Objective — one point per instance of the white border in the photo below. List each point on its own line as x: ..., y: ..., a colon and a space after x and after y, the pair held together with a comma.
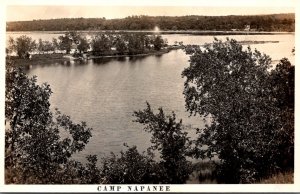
x: 174, y: 188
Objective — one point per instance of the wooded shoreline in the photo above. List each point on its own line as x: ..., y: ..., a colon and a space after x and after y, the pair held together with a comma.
x: 270, y: 22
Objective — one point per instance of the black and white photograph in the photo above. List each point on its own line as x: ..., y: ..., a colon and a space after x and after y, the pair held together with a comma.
x: 141, y: 96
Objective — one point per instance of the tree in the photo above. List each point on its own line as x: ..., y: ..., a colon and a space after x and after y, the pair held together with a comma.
x: 55, y: 44
x: 34, y: 150
x: 120, y: 44
x: 23, y: 45
x: 40, y: 46
x: 101, y: 44
x: 90, y: 173
x: 83, y: 45
x: 65, y: 43
x: 148, y: 40
x: 74, y: 36
x: 48, y: 46
x: 158, y: 42
x: 282, y: 80
x: 232, y: 88
x: 170, y: 141
x: 11, y: 45
x: 45, y: 46
x: 135, y: 43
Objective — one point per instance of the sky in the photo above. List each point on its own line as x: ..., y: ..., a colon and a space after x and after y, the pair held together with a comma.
x: 20, y: 11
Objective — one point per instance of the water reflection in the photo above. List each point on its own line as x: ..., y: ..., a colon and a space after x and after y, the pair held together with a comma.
x: 121, y: 59
x: 65, y: 63
x: 80, y: 62
x: 102, y: 60
x: 137, y: 58
x: 105, y: 60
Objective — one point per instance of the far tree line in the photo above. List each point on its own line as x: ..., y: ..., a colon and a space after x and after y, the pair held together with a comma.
x: 274, y: 22
x: 100, y: 44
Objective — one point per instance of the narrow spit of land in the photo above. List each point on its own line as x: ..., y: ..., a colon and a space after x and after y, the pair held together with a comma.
x: 61, y: 57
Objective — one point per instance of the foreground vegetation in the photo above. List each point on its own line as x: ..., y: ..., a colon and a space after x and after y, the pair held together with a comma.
x: 280, y: 178
x: 250, y: 130
x: 274, y: 22
x: 250, y: 108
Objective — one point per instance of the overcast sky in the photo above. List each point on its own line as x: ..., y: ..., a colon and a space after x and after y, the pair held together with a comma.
x: 16, y: 13
x: 108, y: 10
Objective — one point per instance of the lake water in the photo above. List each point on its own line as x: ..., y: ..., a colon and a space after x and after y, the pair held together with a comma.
x: 104, y: 93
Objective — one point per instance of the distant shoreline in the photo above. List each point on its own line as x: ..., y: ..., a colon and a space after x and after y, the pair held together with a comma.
x: 191, y: 24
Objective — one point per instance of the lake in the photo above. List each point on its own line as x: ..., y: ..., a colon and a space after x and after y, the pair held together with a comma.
x: 105, y: 92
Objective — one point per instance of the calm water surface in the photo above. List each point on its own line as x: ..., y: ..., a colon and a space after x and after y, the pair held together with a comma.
x: 104, y: 93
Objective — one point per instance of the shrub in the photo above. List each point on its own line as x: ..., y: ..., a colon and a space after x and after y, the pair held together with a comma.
x: 131, y: 167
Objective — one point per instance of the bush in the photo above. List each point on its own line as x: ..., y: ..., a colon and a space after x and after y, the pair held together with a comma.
x: 130, y: 168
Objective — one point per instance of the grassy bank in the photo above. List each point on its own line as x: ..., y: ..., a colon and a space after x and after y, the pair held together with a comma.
x: 280, y: 178
x: 204, y: 172
x: 38, y: 59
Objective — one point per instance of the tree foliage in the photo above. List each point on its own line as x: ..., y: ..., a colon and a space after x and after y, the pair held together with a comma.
x: 126, y: 43
x: 135, y: 43
x: 101, y: 43
x: 45, y: 46
x: 232, y: 87
x: 55, y: 44
x: 35, y: 151
x: 11, y: 44
x: 67, y: 40
x: 65, y: 43
x: 23, y: 45
x: 130, y: 168
x: 283, y: 91
x: 158, y: 43
x: 170, y: 141
x: 120, y: 44
x: 83, y: 44
x: 273, y: 22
